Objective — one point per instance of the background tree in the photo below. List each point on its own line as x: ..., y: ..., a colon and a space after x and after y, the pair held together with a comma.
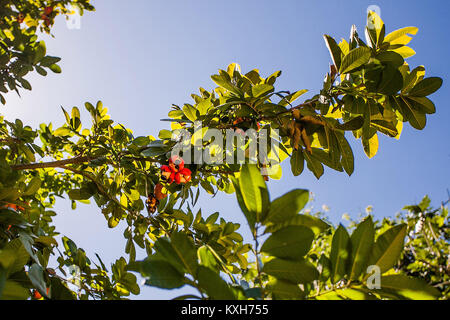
x: 370, y: 89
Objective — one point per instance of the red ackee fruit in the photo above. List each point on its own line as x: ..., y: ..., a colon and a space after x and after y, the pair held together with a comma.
x: 183, y: 176
x: 176, y: 163
x: 167, y: 174
x: 37, y: 295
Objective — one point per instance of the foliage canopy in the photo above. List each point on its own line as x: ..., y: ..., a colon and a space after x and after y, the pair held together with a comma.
x: 369, y: 90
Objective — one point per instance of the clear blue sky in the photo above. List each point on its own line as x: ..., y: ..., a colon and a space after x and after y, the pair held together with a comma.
x: 141, y: 56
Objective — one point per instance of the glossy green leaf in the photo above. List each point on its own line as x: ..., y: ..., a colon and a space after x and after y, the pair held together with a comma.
x: 426, y: 87
x: 292, y: 271
x: 355, y: 59
x: 286, y: 206
x: 255, y: 194
x: 215, y: 287
x: 347, y: 159
x: 161, y: 274
x: 315, y: 224
x: 361, y: 240
x: 408, y: 288
x: 340, y: 253
x: 297, y: 162
x: 386, y: 250
x: 291, y: 242
x: 335, y: 51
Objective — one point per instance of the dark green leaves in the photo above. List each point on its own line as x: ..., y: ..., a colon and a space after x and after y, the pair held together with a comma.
x: 426, y: 87
x: 179, y: 251
x: 297, y: 162
x: 213, y: 284
x: 353, y: 124
x: 339, y: 253
x: 287, y: 206
x: 408, y: 288
x: 162, y: 274
x: 388, y: 247
x: 334, y: 49
x: 289, y: 243
x: 292, y: 271
x: 361, y: 242
x: 355, y: 59
x: 347, y: 158
x: 253, y: 196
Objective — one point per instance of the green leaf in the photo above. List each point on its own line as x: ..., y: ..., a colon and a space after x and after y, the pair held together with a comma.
x: 340, y: 253
x: 370, y: 145
x: 255, y: 195
x: 55, y: 68
x: 314, y: 165
x: 354, y: 59
x: 391, y: 81
x: 292, y: 242
x: 405, y: 52
x: 416, y: 119
x: 361, y: 240
x: 225, y: 83
x: 387, y: 248
x: 334, y: 49
x: 284, y: 290
x: 206, y: 258
x: 391, y: 58
x: 315, y: 224
x: 347, y: 159
x: 326, y: 158
x: 190, y: 112
x: 291, y: 97
x: 409, y: 288
x: 297, y: 162
x: 36, y: 275
x: 14, y: 291
x: 324, y: 266
x: 287, y: 206
x: 61, y: 132
x: 398, y: 36
x: 40, y: 51
x: 161, y: 274
x: 421, y: 104
x: 385, y: 127
x: 179, y: 251
x: 32, y: 187
x: 79, y: 194
x: 292, y: 271
x: 426, y: 87
x: 251, y: 218
x: 261, y: 90
x: 215, y: 287
x: 353, y: 124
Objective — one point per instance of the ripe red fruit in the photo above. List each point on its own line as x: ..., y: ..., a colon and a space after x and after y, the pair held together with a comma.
x: 167, y: 174
x: 36, y: 295
x: 183, y: 176
x: 176, y: 163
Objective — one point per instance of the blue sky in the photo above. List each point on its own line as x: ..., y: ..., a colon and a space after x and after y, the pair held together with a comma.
x: 141, y: 56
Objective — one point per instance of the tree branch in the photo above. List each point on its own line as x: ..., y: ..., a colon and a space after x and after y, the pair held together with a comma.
x: 53, y: 164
